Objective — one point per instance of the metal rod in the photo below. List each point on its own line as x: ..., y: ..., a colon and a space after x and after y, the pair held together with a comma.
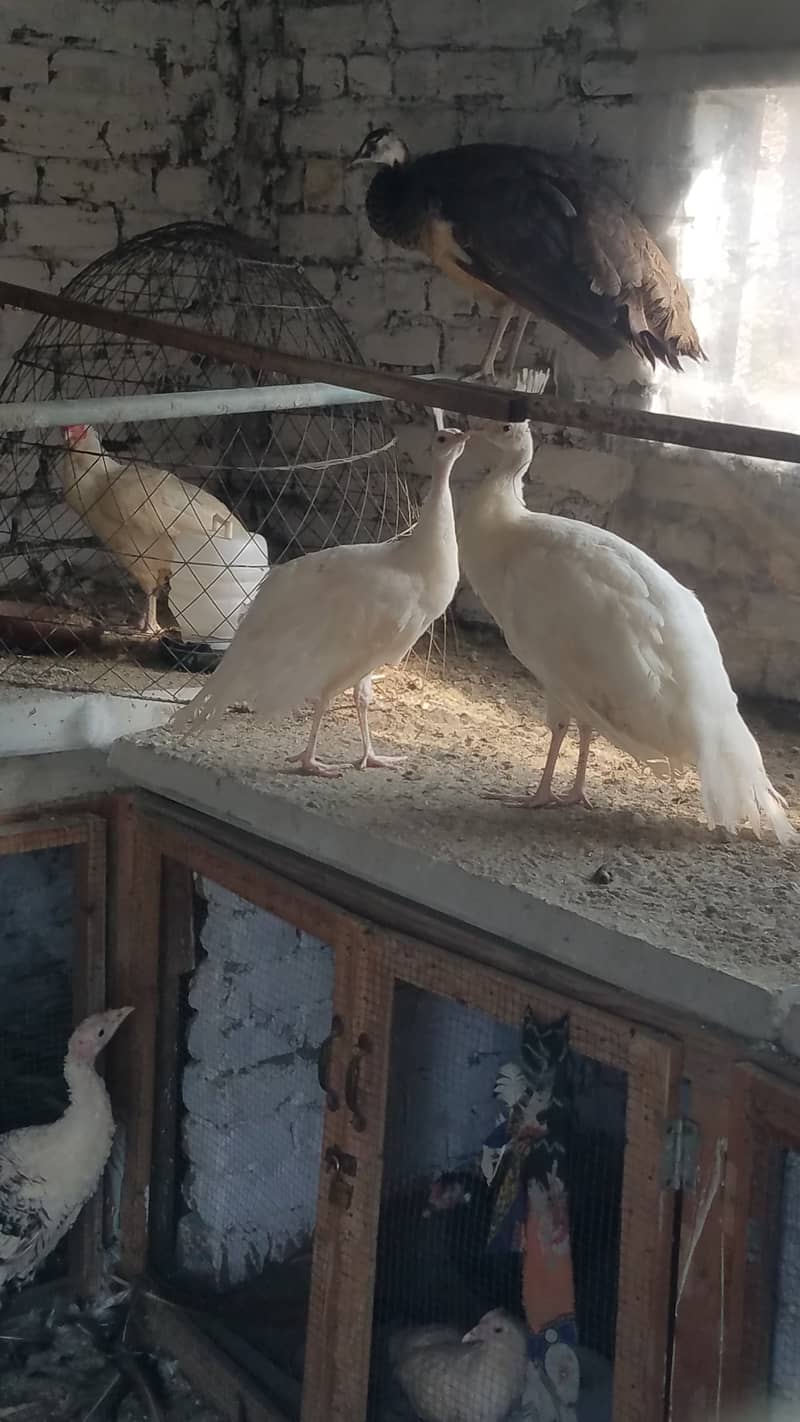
x: 112, y: 410
x: 480, y: 401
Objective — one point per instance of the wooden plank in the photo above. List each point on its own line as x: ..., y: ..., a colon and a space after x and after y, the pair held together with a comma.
x: 177, y: 958
x: 460, y: 940
x: 133, y: 979
x: 703, y: 1335
x: 214, y: 1374
x: 89, y: 995
x: 480, y: 401
x: 339, y: 1339
x: 43, y: 832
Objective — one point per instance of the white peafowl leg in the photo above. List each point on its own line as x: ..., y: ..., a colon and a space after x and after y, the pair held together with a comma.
x: 486, y: 371
x: 362, y: 695
x: 150, y: 622
x: 543, y: 795
x: 575, y: 796
x: 306, y: 762
x: 523, y: 317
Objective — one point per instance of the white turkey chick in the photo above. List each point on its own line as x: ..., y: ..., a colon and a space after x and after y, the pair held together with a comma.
x: 477, y: 1378
x: 137, y: 510
x: 47, y: 1173
x: 327, y: 621
x: 617, y: 644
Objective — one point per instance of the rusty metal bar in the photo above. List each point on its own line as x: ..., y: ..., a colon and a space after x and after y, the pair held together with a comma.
x: 480, y: 401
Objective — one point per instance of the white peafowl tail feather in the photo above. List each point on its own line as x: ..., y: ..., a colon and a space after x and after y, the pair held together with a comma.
x: 734, y: 786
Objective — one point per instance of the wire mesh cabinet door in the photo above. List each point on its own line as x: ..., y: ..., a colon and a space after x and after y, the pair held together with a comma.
x: 508, y: 1240
x: 253, y: 1010
x: 762, y: 1353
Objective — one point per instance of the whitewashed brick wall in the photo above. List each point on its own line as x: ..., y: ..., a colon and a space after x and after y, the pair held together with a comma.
x: 115, y: 116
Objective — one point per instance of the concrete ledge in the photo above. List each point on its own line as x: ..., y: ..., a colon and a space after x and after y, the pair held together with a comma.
x: 715, y: 996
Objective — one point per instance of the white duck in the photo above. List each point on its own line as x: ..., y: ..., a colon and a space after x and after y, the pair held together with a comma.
x: 327, y: 621
x: 47, y: 1173
x: 618, y: 645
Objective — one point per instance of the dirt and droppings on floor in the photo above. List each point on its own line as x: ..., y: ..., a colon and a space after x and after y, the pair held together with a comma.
x: 478, y: 723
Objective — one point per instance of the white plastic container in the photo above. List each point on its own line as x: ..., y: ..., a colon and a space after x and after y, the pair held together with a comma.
x: 212, y: 583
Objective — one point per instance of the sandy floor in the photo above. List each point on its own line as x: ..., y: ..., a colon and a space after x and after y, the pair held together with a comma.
x: 733, y: 902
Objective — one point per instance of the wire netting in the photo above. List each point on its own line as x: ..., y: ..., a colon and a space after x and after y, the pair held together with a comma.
x: 95, y: 537
x: 37, y: 943
x: 258, y: 1010
x: 499, y: 1235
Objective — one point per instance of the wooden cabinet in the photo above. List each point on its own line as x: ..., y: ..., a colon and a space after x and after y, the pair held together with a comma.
x: 404, y: 1069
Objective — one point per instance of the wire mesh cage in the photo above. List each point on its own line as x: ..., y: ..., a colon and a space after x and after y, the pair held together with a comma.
x: 256, y: 1013
x: 499, y: 1235
x: 128, y: 554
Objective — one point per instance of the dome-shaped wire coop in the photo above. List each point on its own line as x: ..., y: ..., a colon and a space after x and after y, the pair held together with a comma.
x: 99, y: 528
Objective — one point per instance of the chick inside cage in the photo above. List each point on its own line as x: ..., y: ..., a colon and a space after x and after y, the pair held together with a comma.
x: 129, y: 552
x: 499, y: 1236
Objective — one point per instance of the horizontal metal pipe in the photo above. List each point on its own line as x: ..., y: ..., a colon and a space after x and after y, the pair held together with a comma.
x: 193, y: 404
x: 480, y: 401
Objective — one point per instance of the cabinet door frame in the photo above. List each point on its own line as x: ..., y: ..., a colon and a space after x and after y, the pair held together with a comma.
x: 766, y: 1121
x: 652, y: 1063
x: 156, y: 861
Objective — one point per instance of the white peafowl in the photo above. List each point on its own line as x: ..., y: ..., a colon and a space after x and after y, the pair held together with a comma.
x: 47, y: 1173
x: 617, y: 644
x: 477, y: 1378
x: 327, y: 621
x: 137, y: 510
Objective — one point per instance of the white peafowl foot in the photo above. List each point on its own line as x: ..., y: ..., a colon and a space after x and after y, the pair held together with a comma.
x: 532, y: 799
x: 575, y: 797
x: 305, y: 764
x: 371, y: 761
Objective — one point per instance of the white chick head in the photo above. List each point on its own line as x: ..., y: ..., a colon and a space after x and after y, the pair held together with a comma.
x: 383, y: 147
x: 448, y: 446
x: 95, y: 1032
x: 493, y: 1326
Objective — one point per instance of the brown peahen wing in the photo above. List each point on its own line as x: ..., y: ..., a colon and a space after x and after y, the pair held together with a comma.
x: 559, y: 244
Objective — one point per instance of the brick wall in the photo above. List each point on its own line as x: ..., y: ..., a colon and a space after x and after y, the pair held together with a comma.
x: 115, y: 116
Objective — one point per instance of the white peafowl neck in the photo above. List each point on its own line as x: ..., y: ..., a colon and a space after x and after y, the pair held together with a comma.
x: 436, y: 525
x: 498, y: 496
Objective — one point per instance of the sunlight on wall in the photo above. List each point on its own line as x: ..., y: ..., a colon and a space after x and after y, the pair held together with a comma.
x: 738, y: 249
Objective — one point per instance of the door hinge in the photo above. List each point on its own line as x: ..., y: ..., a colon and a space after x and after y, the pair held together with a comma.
x: 681, y: 1138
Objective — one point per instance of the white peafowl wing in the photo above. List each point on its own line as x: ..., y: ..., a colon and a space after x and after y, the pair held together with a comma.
x: 589, y: 620
x: 317, y: 626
